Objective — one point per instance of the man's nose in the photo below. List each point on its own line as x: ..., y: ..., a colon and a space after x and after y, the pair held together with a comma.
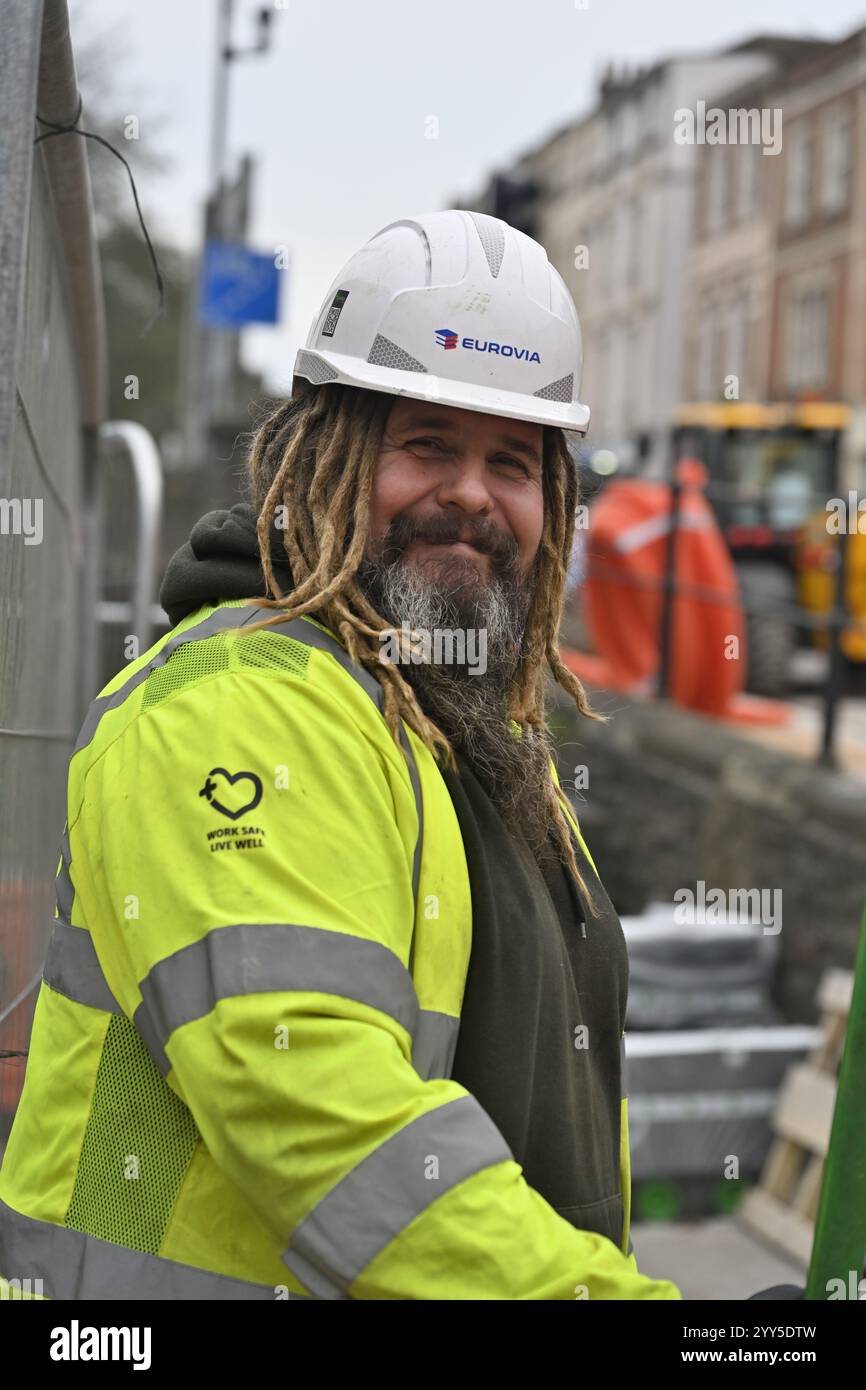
x: 465, y: 486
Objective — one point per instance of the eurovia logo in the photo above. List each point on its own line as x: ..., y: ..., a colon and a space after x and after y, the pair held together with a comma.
x: 447, y: 338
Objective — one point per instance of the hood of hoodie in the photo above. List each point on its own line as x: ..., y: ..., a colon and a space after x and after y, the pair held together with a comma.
x: 221, y: 561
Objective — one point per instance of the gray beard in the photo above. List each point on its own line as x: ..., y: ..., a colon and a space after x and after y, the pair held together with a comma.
x: 470, y: 709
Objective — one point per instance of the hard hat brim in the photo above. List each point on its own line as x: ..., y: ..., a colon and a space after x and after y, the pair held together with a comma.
x: 425, y: 386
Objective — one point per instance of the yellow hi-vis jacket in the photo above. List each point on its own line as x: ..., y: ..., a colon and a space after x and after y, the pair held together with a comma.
x: 238, y: 1080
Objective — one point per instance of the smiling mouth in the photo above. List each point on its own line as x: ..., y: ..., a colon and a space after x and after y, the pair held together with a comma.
x: 463, y: 546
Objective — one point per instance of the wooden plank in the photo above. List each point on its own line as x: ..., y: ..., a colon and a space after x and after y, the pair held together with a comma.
x: 782, y: 1168
x: 835, y: 990
x: 783, y: 1208
x: 805, y: 1109
x: 828, y: 1053
x: 809, y: 1189
x: 777, y: 1224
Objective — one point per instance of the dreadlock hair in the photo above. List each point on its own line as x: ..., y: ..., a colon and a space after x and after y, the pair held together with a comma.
x: 314, y: 457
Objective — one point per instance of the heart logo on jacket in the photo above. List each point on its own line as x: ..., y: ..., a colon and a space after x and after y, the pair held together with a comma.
x: 207, y: 791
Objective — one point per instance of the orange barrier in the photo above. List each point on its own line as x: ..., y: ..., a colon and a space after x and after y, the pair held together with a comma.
x: 622, y: 594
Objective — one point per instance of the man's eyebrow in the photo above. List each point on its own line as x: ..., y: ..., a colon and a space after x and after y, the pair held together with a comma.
x: 442, y: 422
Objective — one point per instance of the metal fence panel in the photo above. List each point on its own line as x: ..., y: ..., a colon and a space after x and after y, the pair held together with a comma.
x: 42, y: 554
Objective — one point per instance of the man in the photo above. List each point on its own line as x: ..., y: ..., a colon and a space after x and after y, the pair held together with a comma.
x: 456, y: 523
x: 334, y: 1001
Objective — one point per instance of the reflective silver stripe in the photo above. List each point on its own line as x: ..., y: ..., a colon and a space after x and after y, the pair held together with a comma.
x: 312, y: 636
x: 298, y: 629
x: 219, y: 621
x: 74, y: 1265
x: 72, y: 968
x: 387, y: 1190
x: 254, y: 958
x: 419, y: 807
x: 434, y: 1044
x: 301, y: 631
x: 63, y: 883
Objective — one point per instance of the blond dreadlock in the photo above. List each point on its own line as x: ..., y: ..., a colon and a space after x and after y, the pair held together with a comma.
x: 315, y: 457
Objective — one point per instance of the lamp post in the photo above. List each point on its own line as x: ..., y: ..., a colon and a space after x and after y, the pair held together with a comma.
x: 199, y: 367
x: 225, y: 55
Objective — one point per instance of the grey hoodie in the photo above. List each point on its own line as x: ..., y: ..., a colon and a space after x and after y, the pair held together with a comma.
x: 220, y: 559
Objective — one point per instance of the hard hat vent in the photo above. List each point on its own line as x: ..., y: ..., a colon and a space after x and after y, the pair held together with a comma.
x: 492, y: 239
x: 561, y: 390
x: 384, y: 353
x: 313, y: 369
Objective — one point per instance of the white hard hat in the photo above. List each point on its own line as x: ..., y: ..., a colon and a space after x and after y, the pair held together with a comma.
x: 455, y: 307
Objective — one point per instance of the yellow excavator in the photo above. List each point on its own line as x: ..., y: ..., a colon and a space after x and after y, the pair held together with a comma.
x: 780, y: 478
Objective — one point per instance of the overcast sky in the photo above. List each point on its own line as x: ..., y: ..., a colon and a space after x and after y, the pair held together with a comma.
x: 335, y: 113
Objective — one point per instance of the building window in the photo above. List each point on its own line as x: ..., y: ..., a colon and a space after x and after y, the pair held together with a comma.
x: 747, y: 175
x: 718, y: 355
x: 591, y: 274
x: 618, y: 249
x: 798, y: 176
x: 593, y: 270
x: 836, y: 161
x: 630, y: 128
x: 715, y: 189
x: 808, y: 340
x: 738, y: 341
x: 649, y: 115
x: 615, y: 381
x: 605, y: 252
x: 706, y: 347
x: 636, y: 373
x: 614, y: 137
x: 599, y: 381
x: 632, y: 273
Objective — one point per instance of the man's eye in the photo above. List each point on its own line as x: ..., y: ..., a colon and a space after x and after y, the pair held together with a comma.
x: 428, y: 441
x: 424, y: 440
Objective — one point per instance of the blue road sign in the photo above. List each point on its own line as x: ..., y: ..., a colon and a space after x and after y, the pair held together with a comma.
x: 238, y: 286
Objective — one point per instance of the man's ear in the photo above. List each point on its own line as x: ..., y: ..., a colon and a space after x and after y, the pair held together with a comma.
x: 300, y: 387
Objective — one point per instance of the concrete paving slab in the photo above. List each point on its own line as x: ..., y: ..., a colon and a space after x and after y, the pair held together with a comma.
x: 712, y: 1259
